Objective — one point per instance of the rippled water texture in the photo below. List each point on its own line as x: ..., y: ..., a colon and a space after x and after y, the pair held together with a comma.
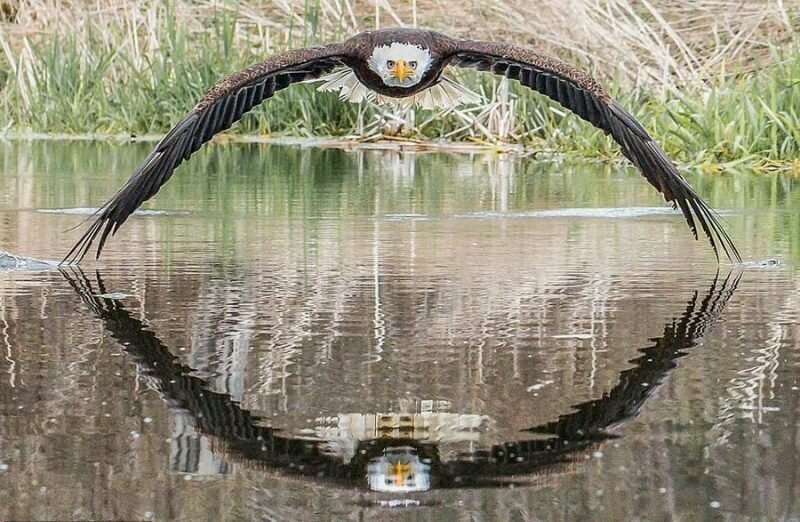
x: 292, y: 333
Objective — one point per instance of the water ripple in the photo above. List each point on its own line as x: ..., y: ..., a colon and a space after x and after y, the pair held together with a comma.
x: 90, y: 211
x: 613, y: 213
x: 10, y: 262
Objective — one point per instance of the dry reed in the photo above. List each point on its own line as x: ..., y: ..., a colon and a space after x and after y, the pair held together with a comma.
x: 85, y: 50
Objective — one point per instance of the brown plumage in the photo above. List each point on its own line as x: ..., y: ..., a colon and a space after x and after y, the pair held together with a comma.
x: 233, y: 96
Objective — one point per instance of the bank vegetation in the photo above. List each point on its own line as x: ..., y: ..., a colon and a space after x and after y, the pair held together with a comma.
x: 716, y: 82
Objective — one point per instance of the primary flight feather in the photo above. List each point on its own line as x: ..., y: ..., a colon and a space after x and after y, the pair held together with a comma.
x: 405, y: 66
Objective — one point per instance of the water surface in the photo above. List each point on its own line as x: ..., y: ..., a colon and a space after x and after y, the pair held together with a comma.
x: 289, y: 333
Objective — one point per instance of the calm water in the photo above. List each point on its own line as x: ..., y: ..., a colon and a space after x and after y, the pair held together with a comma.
x: 294, y: 333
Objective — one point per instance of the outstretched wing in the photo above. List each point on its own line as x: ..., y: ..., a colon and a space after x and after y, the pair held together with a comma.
x: 581, y: 94
x: 222, y: 106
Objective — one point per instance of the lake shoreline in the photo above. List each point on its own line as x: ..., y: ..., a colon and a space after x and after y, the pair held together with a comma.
x: 415, y: 145
x: 337, y: 142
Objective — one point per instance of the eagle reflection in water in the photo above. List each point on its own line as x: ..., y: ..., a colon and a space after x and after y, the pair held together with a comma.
x: 397, y: 452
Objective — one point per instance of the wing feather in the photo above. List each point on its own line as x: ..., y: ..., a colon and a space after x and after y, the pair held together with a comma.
x: 581, y: 94
x: 222, y: 106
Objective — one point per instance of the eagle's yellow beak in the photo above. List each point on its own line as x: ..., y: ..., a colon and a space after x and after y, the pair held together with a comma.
x: 400, y: 471
x: 401, y: 71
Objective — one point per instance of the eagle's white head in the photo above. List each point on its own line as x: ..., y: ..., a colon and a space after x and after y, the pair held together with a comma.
x: 404, y: 66
x: 400, y: 64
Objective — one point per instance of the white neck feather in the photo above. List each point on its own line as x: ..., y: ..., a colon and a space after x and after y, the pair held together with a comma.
x: 444, y: 95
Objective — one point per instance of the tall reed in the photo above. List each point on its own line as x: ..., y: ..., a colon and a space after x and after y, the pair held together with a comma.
x: 709, y: 79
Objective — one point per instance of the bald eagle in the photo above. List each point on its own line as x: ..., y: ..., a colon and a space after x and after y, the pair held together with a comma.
x: 404, y: 65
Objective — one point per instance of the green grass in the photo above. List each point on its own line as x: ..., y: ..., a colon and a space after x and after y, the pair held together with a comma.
x: 93, y: 85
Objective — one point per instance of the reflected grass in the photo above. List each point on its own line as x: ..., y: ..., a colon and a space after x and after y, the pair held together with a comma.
x: 237, y: 183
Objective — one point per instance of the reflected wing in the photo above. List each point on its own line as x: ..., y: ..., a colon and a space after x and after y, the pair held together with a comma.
x: 223, y: 105
x: 234, y: 432
x: 590, y: 419
x: 589, y: 422
x: 581, y: 94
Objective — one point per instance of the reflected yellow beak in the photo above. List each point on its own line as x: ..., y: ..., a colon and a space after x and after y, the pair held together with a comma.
x: 400, y: 471
x: 401, y: 71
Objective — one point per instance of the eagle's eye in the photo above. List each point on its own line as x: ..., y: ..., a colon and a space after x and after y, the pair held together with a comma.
x: 413, y: 64
x: 389, y: 63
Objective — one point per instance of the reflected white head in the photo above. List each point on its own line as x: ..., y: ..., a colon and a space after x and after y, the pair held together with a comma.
x: 400, y: 64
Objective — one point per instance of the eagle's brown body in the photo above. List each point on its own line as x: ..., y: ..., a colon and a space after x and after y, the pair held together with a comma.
x: 228, y: 100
